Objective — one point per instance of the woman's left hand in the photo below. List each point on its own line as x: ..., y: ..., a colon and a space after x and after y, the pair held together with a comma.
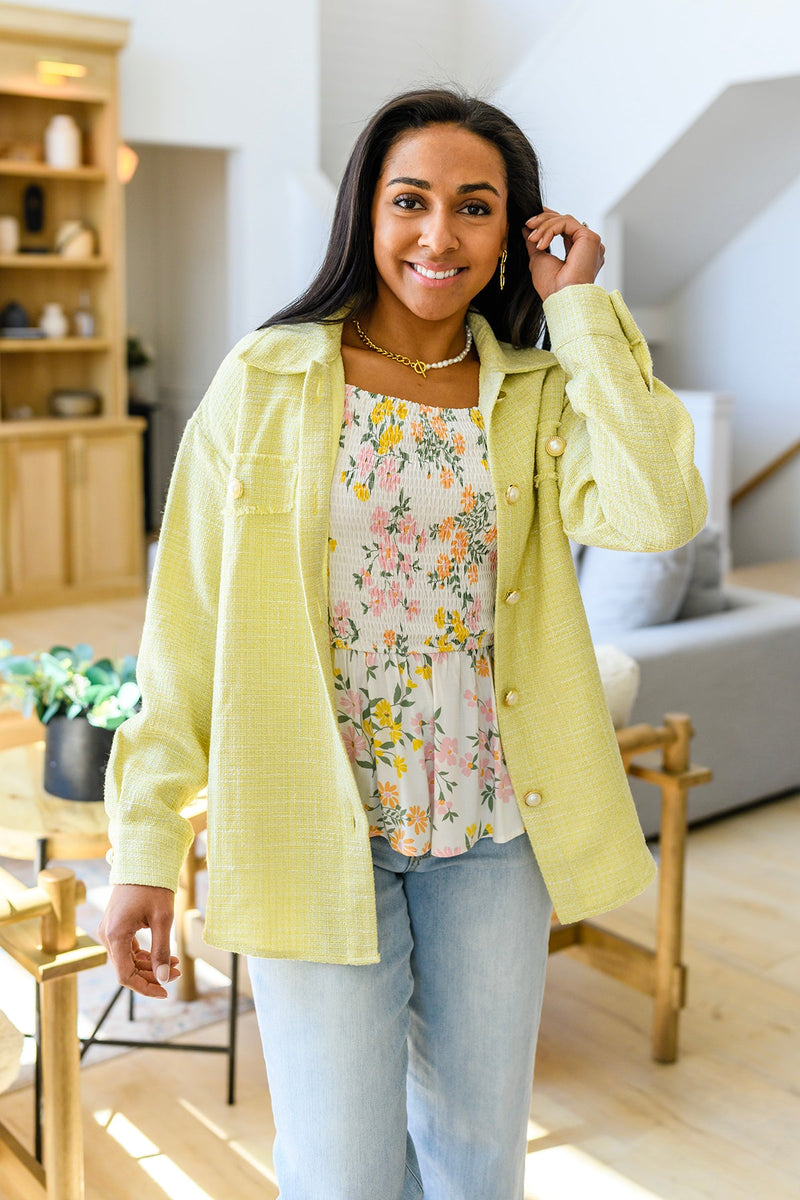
x: 585, y: 252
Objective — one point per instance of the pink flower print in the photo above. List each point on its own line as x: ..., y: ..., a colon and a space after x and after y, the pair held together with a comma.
x: 341, y: 614
x: 377, y: 601
x: 366, y: 577
x: 466, y: 764
x: 350, y: 702
x: 348, y: 409
x: 379, y: 520
x: 486, y: 708
x: 388, y: 555
x: 448, y: 851
x: 482, y: 739
x: 493, y: 558
x: 422, y: 540
x: 505, y: 790
x: 417, y: 724
x: 406, y: 530
x: 443, y: 805
x: 395, y: 594
x: 447, y: 752
x: 413, y: 608
x: 474, y: 615
x: 388, y: 477
x: 471, y: 697
x: 365, y: 460
x: 355, y: 743
x: 371, y: 658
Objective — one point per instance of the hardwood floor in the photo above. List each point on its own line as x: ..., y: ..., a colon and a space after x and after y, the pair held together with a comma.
x: 606, y: 1122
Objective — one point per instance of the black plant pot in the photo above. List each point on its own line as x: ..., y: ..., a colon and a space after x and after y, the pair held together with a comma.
x: 76, y: 755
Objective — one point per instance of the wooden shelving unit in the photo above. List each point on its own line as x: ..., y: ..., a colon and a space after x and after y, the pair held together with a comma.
x: 70, y: 490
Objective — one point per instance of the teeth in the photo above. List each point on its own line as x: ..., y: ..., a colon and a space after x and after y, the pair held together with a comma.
x: 435, y: 274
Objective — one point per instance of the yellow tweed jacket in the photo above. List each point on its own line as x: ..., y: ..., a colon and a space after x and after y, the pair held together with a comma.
x: 235, y: 665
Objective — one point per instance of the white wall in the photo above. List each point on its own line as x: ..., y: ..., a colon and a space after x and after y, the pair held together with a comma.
x: 176, y: 250
x: 372, y: 49
x: 243, y: 77
x: 734, y: 328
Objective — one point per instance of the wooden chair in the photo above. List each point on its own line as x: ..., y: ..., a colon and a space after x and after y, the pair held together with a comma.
x: 659, y: 973
x: 37, y: 927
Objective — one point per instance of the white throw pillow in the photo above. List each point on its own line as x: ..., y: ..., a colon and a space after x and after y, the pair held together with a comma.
x: 620, y: 675
x: 625, y: 590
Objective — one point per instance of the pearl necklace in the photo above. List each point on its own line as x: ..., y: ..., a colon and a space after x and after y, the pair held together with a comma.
x: 416, y: 364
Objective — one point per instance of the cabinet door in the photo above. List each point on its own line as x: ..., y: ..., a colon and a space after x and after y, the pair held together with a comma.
x: 37, y: 504
x: 107, y: 525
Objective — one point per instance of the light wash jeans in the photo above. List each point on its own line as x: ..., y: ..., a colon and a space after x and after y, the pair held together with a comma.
x: 413, y: 1076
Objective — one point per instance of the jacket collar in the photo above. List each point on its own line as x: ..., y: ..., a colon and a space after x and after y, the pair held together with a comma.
x: 291, y: 349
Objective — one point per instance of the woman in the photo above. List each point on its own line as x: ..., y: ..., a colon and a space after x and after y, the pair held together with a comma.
x: 364, y: 632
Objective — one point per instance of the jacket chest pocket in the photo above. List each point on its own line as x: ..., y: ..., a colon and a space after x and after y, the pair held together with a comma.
x: 261, y: 485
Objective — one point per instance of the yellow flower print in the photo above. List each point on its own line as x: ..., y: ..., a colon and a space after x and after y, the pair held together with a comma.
x: 383, y: 711
x: 417, y: 743
x: 400, y: 766
x: 401, y: 410
x: 460, y: 631
x: 396, y: 732
x: 390, y: 437
x: 439, y: 618
x: 331, y: 544
x: 380, y: 411
x: 343, y: 476
x: 489, y: 830
x: 443, y: 644
x: 477, y: 417
x: 369, y: 732
x: 361, y: 490
x: 470, y: 831
x: 425, y: 671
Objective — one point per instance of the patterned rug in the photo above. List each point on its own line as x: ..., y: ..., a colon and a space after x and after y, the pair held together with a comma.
x: 154, y: 1020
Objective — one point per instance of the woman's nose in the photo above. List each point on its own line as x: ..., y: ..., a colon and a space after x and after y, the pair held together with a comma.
x: 438, y: 233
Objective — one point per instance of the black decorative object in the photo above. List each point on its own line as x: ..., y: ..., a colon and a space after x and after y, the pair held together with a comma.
x: 13, y: 316
x: 34, y: 208
x: 76, y: 755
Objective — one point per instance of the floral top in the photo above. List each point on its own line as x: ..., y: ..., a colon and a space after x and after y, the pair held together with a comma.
x: 413, y: 556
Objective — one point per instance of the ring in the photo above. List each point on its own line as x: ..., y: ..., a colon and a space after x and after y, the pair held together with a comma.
x: 585, y: 226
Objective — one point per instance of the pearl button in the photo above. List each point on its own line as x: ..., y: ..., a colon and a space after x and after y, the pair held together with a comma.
x: 511, y: 697
x: 555, y: 446
x: 236, y: 488
x: 532, y: 799
x: 513, y: 596
x: 110, y: 856
x: 512, y: 494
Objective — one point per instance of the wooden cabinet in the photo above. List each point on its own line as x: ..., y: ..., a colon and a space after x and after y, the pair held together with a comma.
x: 73, y: 519
x: 71, y: 524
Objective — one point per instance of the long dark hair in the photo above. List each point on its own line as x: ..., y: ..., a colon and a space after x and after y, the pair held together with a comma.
x: 347, y: 278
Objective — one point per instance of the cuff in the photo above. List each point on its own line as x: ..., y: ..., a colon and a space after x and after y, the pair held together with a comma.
x: 584, y: 310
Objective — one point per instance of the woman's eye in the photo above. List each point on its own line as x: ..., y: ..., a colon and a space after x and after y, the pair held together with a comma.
x: 476, y: 208
x: 406, y: 202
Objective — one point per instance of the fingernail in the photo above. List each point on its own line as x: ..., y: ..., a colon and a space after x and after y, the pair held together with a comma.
x: 162, y: 973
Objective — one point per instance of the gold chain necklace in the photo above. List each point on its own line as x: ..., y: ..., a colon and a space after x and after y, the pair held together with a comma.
x: 416, y: 364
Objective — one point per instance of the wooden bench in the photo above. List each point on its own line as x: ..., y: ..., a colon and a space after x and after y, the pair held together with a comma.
x: 37, y: 927
x: 658, y: 972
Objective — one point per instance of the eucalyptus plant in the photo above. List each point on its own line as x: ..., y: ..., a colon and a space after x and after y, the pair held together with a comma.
x: 65, y: 682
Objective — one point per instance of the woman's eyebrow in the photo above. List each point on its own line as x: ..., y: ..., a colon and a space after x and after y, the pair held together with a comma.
x: 462, y: 189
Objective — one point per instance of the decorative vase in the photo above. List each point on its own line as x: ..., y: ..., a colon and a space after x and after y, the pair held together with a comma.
x: 76, y: 756
x: 62, y: 142
x: 54, y: 320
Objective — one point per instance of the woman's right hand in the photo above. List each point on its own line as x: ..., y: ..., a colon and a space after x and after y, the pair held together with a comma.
x: 133, y: 907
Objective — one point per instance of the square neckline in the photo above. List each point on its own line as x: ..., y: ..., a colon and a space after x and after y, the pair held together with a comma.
x: 413, y: 403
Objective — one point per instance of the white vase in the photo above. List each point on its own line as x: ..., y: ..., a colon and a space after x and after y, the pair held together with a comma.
x: 62, y: 142
x: 54, y: 320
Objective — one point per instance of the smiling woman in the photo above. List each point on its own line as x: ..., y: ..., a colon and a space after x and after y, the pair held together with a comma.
x: 365, y: 635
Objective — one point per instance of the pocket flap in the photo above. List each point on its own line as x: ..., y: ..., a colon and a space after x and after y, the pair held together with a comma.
x: 262, y: 483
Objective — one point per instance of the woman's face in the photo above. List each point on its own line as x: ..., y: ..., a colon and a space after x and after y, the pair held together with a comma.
x: 439, y: 220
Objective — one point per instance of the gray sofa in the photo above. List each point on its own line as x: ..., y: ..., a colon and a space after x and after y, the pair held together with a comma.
x: 736, y: 672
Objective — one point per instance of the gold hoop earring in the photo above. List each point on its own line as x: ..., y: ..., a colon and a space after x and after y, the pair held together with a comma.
x: 503, y: 258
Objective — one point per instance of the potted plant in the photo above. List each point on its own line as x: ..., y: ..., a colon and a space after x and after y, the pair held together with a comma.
x: 79, y: 702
